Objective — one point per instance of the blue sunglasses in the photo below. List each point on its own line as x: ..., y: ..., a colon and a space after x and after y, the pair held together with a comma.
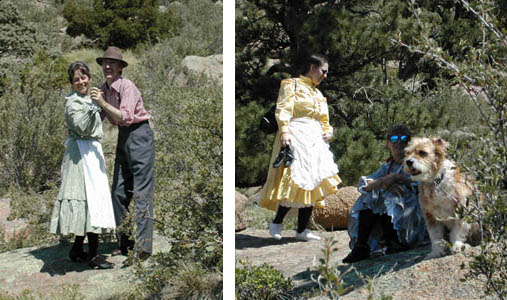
x: 395, y: 138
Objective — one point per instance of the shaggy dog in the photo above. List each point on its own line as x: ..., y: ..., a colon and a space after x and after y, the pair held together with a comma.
x: 442, y: 189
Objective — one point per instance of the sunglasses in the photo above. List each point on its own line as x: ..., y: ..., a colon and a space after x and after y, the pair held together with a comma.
x: 396, y: 138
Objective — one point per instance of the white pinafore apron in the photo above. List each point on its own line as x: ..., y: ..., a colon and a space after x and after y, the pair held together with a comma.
x: 98, y: 195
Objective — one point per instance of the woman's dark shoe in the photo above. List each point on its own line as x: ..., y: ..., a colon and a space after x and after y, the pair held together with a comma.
x: 358, y: 253
x: 289, y: 158
x: 99, y: 262
x: 279, y: 159
x: 78, y: 256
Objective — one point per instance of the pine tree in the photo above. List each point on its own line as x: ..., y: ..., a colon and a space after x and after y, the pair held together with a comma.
x: 371, y: 85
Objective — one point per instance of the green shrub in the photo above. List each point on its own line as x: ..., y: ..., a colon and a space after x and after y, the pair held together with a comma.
x: 481, y: 74
x: 65, y: 291
x: 200, y: 29
x: 188, y: 196
x: 31, y: 118
x: 184, y: 280
x: 488, y: 164
x: 188, y: 199
x: 262, y: 282
x: 121, y: 23
x: 17, y: 38
x: 188, y: 142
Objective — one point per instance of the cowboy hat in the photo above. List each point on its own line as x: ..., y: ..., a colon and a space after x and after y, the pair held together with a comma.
x: 112, y: 53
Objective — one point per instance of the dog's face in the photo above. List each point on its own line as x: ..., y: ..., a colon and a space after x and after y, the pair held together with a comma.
x: 424, y: 158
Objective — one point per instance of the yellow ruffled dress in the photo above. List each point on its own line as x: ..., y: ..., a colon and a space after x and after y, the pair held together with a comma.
x: 298, y: 97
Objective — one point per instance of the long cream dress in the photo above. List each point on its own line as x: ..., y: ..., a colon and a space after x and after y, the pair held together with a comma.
x: 298, y: 98
x: 72, y: 212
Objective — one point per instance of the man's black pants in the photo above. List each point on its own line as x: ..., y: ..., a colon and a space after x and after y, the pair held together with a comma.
x: 134, y: 177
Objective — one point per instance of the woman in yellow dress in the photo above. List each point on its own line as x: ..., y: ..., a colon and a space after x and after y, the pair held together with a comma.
x: 309, y: 173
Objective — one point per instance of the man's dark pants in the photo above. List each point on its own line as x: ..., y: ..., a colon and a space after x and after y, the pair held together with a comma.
x: 134, y: 177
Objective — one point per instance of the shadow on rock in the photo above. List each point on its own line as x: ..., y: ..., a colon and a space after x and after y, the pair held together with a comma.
x: 379, y: 266
x: 244, y: 241
x: 57, y: 262
x: 356, y: 274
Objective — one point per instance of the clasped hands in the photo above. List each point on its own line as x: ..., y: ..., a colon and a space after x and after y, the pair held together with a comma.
x: 394, y: 183
x: 97, y: 96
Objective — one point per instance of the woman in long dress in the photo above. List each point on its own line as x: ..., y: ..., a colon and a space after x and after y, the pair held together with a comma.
x: 387, y: 217
x: 83, y: 206
x: 309, y: 172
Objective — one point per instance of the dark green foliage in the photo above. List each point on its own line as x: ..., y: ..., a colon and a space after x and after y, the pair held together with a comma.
x: 121, y: 23
x: 371, y: 85
x: 262, y: 282
x: 254, y: 152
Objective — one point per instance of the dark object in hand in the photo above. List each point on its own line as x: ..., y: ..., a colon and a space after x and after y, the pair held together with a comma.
x: 286, y: 155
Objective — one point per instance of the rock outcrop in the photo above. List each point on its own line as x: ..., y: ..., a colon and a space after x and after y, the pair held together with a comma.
x: 335, y: 214
x: 404, y: 275
x: 48, y: 273
x: 240, y: 220
x: 210, y: 66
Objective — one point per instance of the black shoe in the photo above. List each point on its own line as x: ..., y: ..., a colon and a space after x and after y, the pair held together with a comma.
x: 137, y: 257
x: 78, y: 256
x: 289, y: 158
x: 358, y: 253
x: 279, y: 159
x: 99, y: 262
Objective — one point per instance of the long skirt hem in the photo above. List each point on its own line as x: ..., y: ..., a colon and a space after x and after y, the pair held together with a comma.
x: 72, y: 216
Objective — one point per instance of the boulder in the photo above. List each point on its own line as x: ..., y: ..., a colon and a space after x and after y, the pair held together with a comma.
x: 253, y: 192
x: 211, y: 66
x: 240, y: 219
x: 335, y: 214
x: 11, y: 228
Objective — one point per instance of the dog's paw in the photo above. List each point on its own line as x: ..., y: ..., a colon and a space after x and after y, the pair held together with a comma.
x: 459, y: 247
x: 433, y: 254
x: 438, y: 250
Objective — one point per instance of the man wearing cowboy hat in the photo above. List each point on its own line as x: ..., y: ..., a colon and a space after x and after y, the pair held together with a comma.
x: 123, y: 105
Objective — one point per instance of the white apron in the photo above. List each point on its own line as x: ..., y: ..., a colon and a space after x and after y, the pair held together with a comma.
x: 98, y: 195
x: 313, y: 161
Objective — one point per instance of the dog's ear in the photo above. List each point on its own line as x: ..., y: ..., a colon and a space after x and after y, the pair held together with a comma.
x: 440, y: 145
